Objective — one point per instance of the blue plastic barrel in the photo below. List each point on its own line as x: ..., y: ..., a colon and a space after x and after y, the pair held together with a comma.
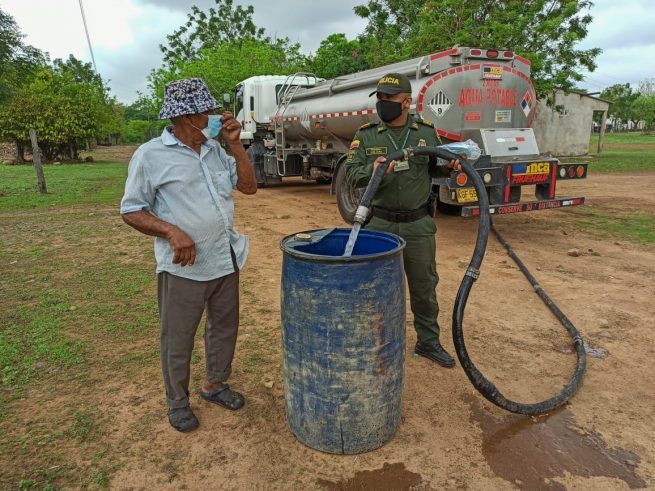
x: 343, y: 337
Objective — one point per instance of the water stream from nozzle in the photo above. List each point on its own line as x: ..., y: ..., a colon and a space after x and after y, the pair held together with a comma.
x: 361, y: 214
x: 352, y: 238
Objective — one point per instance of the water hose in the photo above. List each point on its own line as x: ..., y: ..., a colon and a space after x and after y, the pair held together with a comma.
x: 477, y: 378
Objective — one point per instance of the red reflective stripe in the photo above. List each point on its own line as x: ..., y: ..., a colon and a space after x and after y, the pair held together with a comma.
x: 553, y: 178
x: 507, y: 186
x: 451, y: 136
x: 523, y: 60
x: 441, y: 54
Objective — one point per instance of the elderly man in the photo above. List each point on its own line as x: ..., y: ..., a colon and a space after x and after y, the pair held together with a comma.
x: 179, y: 190
x: 402, y: 203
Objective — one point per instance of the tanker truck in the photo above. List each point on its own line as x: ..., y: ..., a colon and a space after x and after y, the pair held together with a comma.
x: 301, y: 125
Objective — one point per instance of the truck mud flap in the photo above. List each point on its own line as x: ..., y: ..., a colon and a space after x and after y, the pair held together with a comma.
x: 468, y: 211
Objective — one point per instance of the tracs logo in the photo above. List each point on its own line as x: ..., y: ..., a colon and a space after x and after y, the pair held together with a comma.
x: 533, y: 173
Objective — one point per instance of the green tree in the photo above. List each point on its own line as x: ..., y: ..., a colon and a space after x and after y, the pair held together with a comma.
x: 622, y: 98
x: 644, y: 107
x: 222, y: 46
x: 338, y: 56
x: 17, y: 60
x: 544, y: 31
x: 225, y: 23
x: 226, y: 63
x: 647, y: 87
x: 140, y: 120
x: 65, y: 110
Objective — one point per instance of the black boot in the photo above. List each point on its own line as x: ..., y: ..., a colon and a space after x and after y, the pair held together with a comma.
x: 436, y: 353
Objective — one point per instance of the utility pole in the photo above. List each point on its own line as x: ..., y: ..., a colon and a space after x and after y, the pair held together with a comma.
x: 88, y: 38
x: 36, y: 157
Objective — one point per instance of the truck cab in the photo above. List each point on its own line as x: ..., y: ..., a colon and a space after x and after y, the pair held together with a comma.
x: 256, y: 101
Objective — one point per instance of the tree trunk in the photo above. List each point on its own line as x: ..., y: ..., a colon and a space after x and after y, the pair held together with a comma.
x: 36, y: 157
x: 20, y: 152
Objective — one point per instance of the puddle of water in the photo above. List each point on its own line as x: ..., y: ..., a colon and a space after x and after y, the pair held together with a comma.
x: 391, y: 477
x: 530, y: 452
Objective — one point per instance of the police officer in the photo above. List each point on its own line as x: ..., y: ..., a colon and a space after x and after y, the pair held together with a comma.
x: 401, y: 204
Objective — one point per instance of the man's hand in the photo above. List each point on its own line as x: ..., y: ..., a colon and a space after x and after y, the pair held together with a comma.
x: 184, y: 249
x: 381, y: 160
x: 231, y: 128
x: 454, y: 165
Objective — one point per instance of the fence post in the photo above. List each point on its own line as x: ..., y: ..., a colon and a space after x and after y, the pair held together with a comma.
x: 601, y: 134
x: 36, y: 157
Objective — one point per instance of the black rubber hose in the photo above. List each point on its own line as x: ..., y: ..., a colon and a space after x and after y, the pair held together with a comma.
x: 376, y: 178
x: 479, y: 381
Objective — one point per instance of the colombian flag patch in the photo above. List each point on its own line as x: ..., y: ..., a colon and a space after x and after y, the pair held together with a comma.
x: 354, y: 144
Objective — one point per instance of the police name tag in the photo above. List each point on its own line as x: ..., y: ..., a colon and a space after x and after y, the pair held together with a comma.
x: 401, y: 165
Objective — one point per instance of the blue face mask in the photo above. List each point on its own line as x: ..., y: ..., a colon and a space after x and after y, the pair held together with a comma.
x: 214, y: 125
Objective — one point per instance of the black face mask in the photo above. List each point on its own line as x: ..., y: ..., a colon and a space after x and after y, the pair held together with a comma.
x: 388, y: 110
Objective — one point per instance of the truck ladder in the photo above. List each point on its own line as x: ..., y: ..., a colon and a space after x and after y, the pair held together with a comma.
x: 284, y: 97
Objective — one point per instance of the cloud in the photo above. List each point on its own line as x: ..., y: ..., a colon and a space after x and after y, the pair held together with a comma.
x: 620, y: 24
x: 126, y: 33
x: 302, y: 21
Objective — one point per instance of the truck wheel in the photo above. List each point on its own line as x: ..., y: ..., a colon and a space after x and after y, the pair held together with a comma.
x: 347, y: 196
x: 515, y: 194
x: 448, y: 209
x: 444, y: 207
x: 255, y: 153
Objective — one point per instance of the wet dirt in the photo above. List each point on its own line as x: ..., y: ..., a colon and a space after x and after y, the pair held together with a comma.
x: 532, y: 452
x: 392, y: 477
x: 592, y: 351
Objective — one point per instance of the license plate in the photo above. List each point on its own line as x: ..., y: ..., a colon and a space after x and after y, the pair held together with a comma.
x: 466, y: 195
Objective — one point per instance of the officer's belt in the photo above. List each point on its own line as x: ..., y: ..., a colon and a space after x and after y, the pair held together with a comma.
x: 400, y: 216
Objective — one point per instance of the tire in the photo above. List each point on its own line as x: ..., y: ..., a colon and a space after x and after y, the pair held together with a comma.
x: 255, y: 153
x: 448, y: 209
x: 443, y: 207
x: 515, y: 194
x: 347, y: 197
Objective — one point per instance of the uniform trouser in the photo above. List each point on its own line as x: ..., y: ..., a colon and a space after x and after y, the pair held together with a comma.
x: 181, y: 304
x: 419, y: 260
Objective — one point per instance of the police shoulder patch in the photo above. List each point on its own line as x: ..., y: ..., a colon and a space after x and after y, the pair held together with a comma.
x: 426, y: 122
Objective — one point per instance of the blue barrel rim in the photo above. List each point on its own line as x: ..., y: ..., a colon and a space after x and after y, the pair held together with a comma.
x: 341, y: 259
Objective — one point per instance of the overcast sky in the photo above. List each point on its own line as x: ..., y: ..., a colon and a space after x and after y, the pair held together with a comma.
x: 125, y: 34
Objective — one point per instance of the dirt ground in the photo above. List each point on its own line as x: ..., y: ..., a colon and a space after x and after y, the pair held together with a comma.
x: 450, y: 437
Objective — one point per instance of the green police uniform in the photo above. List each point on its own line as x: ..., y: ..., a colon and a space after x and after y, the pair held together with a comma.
x: 407, y: 188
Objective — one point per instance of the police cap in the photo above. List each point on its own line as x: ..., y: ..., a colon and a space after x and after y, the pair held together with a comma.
x: 393, y: 83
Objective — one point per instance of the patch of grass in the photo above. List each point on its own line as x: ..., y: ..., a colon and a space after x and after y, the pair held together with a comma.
x: 32, y: 343
x: 635, y: 227
x: 82, y: 426
x: 100, y: 477
x: 622, y: 152
x: 67, y: 184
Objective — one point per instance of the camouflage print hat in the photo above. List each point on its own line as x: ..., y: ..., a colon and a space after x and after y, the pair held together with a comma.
x: 393, y: 83
x: 186, y: 96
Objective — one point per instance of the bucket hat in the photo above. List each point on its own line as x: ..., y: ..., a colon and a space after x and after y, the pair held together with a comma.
x: 186, y: 96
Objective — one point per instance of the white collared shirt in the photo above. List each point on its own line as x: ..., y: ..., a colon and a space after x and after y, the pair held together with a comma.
x: 193, y: 192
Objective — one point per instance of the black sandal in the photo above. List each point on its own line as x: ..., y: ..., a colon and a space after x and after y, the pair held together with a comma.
x: 182, y: 419
x: 224, y: 396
